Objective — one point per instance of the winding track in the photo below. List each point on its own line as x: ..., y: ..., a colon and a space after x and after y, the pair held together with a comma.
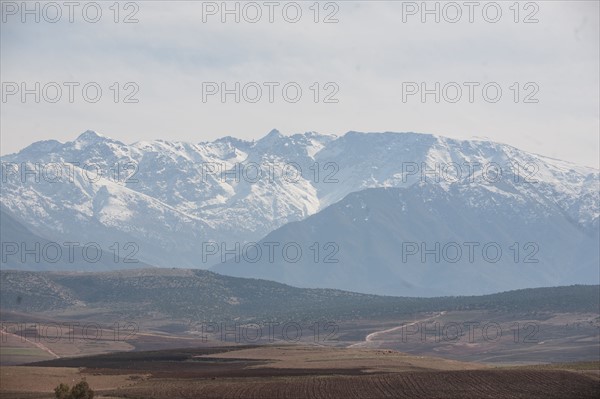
x: 370, y: 338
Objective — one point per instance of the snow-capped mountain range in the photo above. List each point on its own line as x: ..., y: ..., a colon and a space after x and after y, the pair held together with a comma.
x: 171, y: 198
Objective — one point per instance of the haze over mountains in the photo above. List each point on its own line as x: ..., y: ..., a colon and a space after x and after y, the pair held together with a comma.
x: 426, y: 241
x: 362, y: 200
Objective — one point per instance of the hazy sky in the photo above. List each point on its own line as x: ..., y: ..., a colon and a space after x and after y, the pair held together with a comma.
x: 366, y: 61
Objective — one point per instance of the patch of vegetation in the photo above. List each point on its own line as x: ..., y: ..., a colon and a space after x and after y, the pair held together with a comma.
x: 204, y: 296
x: 79, y: 391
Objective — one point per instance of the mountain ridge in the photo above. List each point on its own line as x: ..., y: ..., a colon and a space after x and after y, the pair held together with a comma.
x: 164, y: 197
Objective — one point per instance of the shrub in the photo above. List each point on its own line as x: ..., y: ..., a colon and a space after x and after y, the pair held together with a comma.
x: 61, y: 391
x: 80, y: 391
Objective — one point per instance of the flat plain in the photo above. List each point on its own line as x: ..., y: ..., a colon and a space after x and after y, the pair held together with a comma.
x: 296, y: 371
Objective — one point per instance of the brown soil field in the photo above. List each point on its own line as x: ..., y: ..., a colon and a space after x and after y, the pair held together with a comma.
x: 18, y: 381
x: 439, y: 384
x: 289, y: 371
x: 318, y: 357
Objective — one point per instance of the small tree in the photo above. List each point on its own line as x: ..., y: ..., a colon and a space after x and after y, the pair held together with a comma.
x: 61, y: 391
x: 80, y: 391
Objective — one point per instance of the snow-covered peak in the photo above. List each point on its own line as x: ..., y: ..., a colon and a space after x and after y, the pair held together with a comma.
x: 274, y: 137
x: 40, y: 147
x: 90, y: 135
x: 273, y: 134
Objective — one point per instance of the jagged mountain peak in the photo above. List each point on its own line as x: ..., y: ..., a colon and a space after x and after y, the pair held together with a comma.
x: 273, y: 138
x: 95, y: 142
x: 90, y: 135
x: 274, y: 133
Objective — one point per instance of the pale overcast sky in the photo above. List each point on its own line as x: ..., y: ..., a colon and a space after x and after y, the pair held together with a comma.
x: 370, y: 54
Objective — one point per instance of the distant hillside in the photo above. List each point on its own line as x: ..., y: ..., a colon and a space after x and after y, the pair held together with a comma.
x: 207, y: 296
x: 367, y: 232
x: 19, y: 241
